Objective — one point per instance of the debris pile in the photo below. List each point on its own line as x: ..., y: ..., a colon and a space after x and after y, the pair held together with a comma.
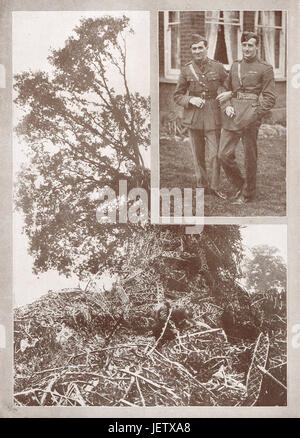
x: 81, y: 348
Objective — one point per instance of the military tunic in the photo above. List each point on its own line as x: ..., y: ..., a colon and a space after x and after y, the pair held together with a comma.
x: 252, y: 78
x: 203, y: 80
x: 211, y: 76
x: 253, y: 87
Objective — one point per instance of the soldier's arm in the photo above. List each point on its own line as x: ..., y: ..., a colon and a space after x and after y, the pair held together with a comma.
x: 223, y: 79
x: 268, y: 94
x: 226, y: 86
x: 180, y: 96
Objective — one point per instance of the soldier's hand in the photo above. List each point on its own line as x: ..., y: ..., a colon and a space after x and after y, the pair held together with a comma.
x: 229, y: 111
x: 223, y: 97
x: 197, y: 101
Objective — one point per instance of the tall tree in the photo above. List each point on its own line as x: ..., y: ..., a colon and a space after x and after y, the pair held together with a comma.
x: 265, y: 270
x: 82, y: 134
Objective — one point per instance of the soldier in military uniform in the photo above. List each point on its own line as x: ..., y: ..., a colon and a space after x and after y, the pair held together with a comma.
x: 199, y: 83
x: 251, y: 94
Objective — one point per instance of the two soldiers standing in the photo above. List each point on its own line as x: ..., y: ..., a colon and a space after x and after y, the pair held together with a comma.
x: 236, y: 103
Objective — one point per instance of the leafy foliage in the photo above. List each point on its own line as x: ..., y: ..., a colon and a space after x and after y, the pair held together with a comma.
x: 265, y: 270
x: 82, y: 134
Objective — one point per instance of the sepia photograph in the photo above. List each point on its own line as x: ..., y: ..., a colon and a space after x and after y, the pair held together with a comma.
x: 222, y: 102
x: 124, y: 313
x: 81, y: 120
x: 176, y: 320
x: 149, y: 176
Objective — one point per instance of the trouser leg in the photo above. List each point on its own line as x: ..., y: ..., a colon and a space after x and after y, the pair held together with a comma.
x: 197, y: 140
x: 228, y: 143
x: 211, y: 147
x: 249, y: 139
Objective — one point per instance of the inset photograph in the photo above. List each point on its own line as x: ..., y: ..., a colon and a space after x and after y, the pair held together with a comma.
x: 222, y: 102
x: 169, y: 319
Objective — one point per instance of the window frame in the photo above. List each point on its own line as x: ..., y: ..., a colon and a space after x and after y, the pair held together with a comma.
x: 173, y: 73
x: 221, y: 22
x: 169, y: 72
x: 280, y: 72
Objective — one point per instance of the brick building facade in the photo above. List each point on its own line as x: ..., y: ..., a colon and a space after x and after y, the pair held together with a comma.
x: 222, y: 30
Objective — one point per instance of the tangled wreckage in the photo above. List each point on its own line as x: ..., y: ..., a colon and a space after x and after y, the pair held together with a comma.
x: 169, y: 333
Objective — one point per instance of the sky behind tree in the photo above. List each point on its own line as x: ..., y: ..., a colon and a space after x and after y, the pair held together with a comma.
x: 272, y: 235
x: 35, y: 32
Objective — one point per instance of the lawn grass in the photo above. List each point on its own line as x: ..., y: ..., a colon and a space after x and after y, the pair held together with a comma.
x: 177, y: 170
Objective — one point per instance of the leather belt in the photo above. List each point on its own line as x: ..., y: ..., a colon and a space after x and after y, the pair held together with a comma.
x: 203, y: 94
x: 245, y: 96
